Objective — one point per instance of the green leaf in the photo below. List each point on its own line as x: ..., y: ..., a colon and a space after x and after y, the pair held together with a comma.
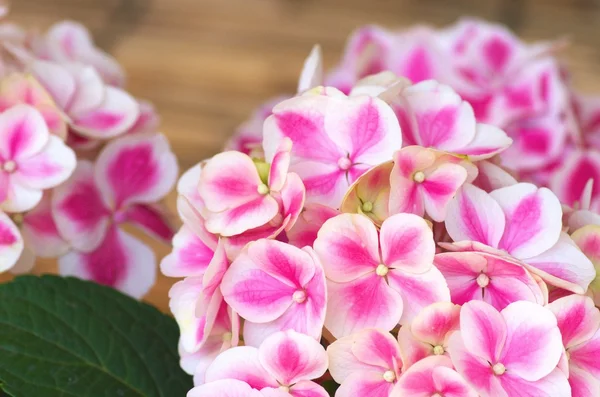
x: 67, y: 337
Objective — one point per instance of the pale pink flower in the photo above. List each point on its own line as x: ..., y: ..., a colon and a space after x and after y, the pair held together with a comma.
x: 11, y: 243
x: 509, y: 353
x: 495, y: 279
x: 433, y: 377
x: 377, y: 279
x: 366, y: 363
x: 31, y: 159
x: 275, y: 287
x: 69, y: 41
x: 588, y: 240
x: 130, y: 175
x: 525, y: 222
x: 424, y: 181
x: 288, y: 361
x: 579, y: 324
x: 335, y: 139
x: 428, y: 333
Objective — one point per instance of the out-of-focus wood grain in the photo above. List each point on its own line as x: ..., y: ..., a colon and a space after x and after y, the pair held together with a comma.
x: 207, y: 63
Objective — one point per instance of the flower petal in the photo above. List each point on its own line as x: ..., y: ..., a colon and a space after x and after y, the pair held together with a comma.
x: 578, y: 318
x: 224, y: 388
x: 554, y: 384
x: 24, y: 133
x: 11, y: 243
x: 311, y: 219
x: 312, y: 71
x: 240, y: 363
x: 41, y: 233
x: 439, y: 187
x: 152, y: 219
x: 483, y: 330
x: 407, y: 243
x: 190, y: 256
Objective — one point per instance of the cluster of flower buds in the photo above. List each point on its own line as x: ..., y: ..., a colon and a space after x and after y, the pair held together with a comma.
x: 380, y: 231
x: 79, y: 157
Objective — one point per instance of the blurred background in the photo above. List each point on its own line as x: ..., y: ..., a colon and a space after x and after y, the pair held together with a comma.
x: 206, y: 64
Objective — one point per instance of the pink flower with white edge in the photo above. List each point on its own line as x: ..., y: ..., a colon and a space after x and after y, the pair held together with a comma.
x: 434, y: 115
x: 70, y: 41
x: 234, y: 388
x: 95, y: 111
x: 31, y: 160
x: 11, y: 243
x: 366, y: 363
x: 514, y: 352
x: 377, y: 279
x: 130, y: 175
x: 570, y: 181
x: 433, y: 377
x: 497, y: 280
x: 275, y: 287
x: 335, y: 140
x: 588, y: 240
x: 525, y: 222
x: 428, y: 333
x: 579, y: 324
x: 424, y: 181
x: 288, y: 361
x: 240, y: 194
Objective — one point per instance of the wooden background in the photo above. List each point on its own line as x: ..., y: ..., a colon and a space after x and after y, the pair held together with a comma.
x: 207, y: 64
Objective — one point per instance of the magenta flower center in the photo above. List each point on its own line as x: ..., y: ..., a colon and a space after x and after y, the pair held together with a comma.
x: 382, y: 270
x: 389, y: 376
x: 299, y: 296
x: 344, y: 163
x: 483, y: 280
x: 9, y: 166
x: 499, y: 369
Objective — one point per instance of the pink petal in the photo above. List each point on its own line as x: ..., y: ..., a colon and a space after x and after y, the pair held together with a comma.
x: 120, y: 261
x: 483, y: 330
x: 235, y: 221
x: 136, y: 169
x: 41, y: 233
x: 11, y: 243
x: 366, y: 302
x: 183, y: 297
x: 412, y: 350
x: 583, y: 384
x: 564, y: 265
x: 78, y: 209
x: 376, y: 348
x: 152, y: 219
x: 18, y: 197
x: 578, y: 318
x: 369, y: 384
x: 475, y: 215
x: 343, y: 362
x: 312, y: 71
x: 308, y: 389
x: 311, y: 219
x: 418, y: 290
x: 50, y: 167
x: 570, y: 180
x: 187, y: 185
x: 240, y: 363
x: 190, y: 255
x: 492, y: 177
x: 554, y: 384
x: 57, y: 80
x: 488, y: 142
x: 533, y: 345
x: 585, y: 355
x: 280, y: 165
x: 90, y: 92
x: 440, y: 187
x: 435, y: 323
x: 533, y: 219
x: 24, y: 133
x: 114, y: 116
x: 407, y: 243
x: 224, y: 388
x: 292, y: 357
x: 348, y: 247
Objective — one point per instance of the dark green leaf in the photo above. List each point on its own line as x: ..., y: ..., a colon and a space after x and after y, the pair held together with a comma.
x: 67, y: 337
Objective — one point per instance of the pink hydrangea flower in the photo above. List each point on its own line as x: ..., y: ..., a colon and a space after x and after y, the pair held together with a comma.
x: 428, y: 333
x: 497, y: 280
x: 275, y: 287
x: 433, y: 376
x: 512, y: 352
x: 287, y: 361
x: 579, y: 324
x: 129, y: 176
x: 377, y: 279
x: 335, y: 140
x: 31, y: 159
x: 234, y: 388
x: 525, y: 222
x: 366, y: 363
x: 588, y: 240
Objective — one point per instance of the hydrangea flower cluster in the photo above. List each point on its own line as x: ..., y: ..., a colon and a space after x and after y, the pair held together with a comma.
x: 79, y: 158
x: 380, y: 230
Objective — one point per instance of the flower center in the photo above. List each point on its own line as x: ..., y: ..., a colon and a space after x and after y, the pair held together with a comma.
x: 438, y: 350
x: 285, y: 389
x: 483, y: 280
x: 499, y: 369
x: 382, y: 270
x: 299, y: 296
x: 9, y: 166
x: 367, y: 206
x: 389, y: 376
x: 344, y: 163
x: 419, y: 176
x: 262, y: 189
